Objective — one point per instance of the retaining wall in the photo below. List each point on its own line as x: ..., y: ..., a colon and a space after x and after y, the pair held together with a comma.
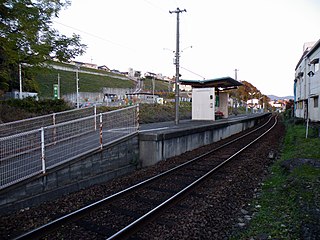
x: 155, y: 147
x: 94, y: 168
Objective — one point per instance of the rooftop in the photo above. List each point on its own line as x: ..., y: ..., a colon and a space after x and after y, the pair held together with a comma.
x: 224, y: 83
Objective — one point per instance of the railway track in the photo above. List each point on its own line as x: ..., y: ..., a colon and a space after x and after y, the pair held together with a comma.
x: 124, y: 213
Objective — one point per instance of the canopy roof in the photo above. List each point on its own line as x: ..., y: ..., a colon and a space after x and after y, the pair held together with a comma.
x: 223, y: 83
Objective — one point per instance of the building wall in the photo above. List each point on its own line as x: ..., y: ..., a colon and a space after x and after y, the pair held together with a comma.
x: 203, y: 104
x: 307, y: 87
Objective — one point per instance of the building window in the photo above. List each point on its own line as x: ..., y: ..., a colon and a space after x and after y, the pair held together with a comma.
x: 316, y: 102
x: 316, y: 67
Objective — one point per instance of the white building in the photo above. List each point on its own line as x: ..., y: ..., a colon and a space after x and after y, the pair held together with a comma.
x: 307, y: 84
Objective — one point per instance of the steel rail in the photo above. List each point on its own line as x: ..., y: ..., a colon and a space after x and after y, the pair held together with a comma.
x: 51, y: 226
x: 126, y: 231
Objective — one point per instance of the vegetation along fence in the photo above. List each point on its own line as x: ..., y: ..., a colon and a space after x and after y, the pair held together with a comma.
x: 29, y: 153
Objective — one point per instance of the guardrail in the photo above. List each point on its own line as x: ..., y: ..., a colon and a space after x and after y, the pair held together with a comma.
x: 27, y: 154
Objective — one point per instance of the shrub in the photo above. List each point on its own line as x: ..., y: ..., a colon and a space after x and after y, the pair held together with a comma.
x: 16, y: 109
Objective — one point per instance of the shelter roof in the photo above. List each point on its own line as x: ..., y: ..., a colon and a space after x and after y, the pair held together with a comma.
x: 224, y: 83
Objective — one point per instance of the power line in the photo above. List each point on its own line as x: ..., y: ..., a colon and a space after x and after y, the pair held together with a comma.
x: 92, y: 35
x: 156, y: 6
x: 193, y: 72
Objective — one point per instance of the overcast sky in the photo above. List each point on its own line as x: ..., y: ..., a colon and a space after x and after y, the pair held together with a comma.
x: 262, y: 38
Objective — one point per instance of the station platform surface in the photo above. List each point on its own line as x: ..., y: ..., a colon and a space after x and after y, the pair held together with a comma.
x: 170, y: 126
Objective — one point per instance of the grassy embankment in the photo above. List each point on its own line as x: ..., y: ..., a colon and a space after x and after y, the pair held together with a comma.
x: 87, y: 82
x: 288, y: 207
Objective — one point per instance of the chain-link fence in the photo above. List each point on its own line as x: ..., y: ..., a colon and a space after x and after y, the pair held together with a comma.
x: 27, y: 154
x: 11, y: 128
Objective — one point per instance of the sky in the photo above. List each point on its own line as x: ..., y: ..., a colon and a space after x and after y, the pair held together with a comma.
x: 263, y: 39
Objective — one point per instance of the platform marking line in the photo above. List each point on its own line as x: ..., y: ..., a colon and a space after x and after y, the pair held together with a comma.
x: 153, y: 129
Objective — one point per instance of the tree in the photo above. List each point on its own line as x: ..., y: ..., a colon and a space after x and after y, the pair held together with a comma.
x: 27, y: 36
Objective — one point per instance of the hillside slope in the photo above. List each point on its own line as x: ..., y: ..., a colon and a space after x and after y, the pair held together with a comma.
x: 88, y: 82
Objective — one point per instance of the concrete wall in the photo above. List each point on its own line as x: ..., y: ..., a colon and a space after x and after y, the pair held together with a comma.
x: 155, y: 147
x: 94, y: 168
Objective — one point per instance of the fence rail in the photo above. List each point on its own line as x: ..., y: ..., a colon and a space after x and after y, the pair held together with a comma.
x: 26, y: 154
x: 11, y: 128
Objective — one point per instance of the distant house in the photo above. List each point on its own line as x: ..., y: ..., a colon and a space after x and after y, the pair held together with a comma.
x: 142, y: 97
x: 307, y: 84
x: 87, y: 65
x: 104, y: 67
x: 150, y: 75
x: 115, y: 71
x: 137, y: 74
x: 279, y: 105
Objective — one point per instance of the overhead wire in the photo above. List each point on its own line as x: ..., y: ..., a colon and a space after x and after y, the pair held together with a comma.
x: 193, y: 72
x: 90, y: 34
x: 162, y: 10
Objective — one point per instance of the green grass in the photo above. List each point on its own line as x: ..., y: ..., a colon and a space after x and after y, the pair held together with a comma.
x: 87, y: 82
x: 287, y: 198
x: 159, y: 85
x: 150, y: 113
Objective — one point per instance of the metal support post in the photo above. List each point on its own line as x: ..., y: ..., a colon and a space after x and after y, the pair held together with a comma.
x: 20, y: 82
x: 43, y: 152
x: 236, y: 99
x: 77, y: 86
x: 138, y: 116
x: 101, y: 131
x: 58, y: 86
x: 95, y: 117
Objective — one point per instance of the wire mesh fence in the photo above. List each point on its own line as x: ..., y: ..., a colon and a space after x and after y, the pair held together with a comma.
x: 11, y: 128
x: 27, y: 154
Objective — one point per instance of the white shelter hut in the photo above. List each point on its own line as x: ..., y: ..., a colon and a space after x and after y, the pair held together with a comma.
x: 210, y: 97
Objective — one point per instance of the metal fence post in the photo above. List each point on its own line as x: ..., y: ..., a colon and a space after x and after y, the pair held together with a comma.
x: 101, y: 142
x: 54, y: 129
x: 95, y: 117
x: 43, y: 151
x: 138, y: 115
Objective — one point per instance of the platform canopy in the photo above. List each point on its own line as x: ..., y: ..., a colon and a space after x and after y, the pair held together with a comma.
x: 224, y: 83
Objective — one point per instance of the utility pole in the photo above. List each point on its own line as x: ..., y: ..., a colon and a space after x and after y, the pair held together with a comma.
x: 178, y: 11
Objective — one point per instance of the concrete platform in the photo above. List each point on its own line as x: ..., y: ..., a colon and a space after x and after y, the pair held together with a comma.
x: 159, y: 141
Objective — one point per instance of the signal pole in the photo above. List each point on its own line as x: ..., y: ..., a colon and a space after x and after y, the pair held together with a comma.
x: 178, y: 11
